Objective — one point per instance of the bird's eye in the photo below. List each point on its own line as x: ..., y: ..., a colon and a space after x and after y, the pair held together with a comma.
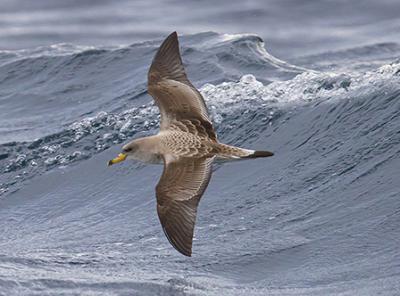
x: 128, y: 149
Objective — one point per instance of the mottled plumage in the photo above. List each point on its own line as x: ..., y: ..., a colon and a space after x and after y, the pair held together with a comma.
x: 186, y: 144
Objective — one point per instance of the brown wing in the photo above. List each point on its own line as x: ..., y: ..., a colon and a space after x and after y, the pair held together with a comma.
x: 172, y: 91
x: 178, y: 194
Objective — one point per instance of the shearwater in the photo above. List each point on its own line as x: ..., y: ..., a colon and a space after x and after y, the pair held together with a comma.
x: 186, y: 144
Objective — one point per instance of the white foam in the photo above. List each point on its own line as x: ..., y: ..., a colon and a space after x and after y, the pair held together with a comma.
x: 305, y: 87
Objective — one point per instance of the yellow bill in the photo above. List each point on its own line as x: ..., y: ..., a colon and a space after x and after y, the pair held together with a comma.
x: 119, y: 158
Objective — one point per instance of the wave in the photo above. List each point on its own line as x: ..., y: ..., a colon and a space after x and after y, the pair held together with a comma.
x: 320, y: 217
x: 231, y: 104
x: 62, y: 83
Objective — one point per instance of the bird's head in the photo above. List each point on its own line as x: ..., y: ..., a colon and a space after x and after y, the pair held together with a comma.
x: 128, y: 152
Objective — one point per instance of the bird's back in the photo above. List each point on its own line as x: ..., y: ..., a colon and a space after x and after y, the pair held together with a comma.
x: 185, y: 144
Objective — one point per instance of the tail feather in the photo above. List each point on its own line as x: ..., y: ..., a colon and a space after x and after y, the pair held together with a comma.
x: 232, y: 152
x: 258, y: 153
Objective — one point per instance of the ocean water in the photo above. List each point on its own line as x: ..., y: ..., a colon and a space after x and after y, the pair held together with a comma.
x: 321, y: 217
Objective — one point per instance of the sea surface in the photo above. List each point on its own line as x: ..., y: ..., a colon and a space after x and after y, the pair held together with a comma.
x: 317, y: 83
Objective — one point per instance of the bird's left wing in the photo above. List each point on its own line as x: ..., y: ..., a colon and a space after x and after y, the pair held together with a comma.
x: 174, y: 94
x: 179, y: 190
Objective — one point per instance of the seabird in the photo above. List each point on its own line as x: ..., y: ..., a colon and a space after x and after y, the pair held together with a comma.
x: 186, y: 144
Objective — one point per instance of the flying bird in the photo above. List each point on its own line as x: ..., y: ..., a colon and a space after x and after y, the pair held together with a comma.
x: 186, y: 144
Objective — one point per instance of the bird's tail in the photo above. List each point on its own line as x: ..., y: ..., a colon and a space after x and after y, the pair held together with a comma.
x: 259, y: 153
x: 232, y: 152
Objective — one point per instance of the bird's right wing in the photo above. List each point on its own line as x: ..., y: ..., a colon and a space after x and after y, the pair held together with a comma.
x: 178, y: 193
x: 175, y: 96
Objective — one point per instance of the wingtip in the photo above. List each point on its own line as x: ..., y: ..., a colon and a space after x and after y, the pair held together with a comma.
x: 173, y: 35
x: 184, y: 250
x: 167, y: 63
x: 259, y: 153
x: 187, y: 253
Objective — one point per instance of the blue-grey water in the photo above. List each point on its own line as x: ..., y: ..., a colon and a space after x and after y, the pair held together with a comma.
x: 317, y: 82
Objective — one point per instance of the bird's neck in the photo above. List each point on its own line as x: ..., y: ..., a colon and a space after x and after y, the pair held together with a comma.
x: 148, y: 150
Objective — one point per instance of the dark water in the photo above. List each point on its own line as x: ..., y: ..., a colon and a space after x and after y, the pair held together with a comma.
x: 321, y: 217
